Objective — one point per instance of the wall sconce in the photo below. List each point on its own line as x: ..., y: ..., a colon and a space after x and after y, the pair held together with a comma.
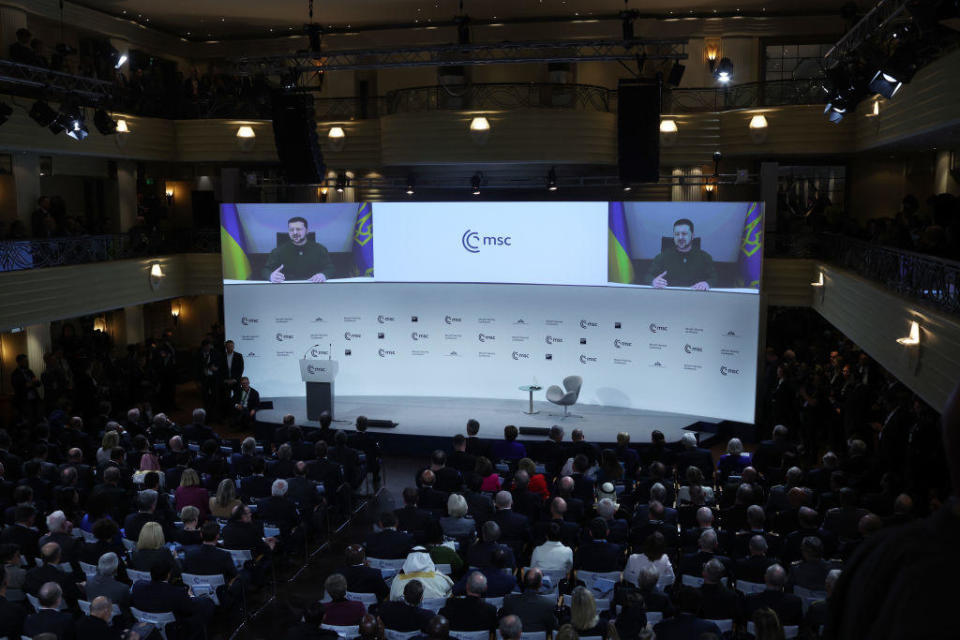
x: 819, y: 285
x: 913, y: 339
x: 758, y: 128
x: 336, y: 137
x: 480, y: 129
x: 123, y: 132
x: 668, y: 131
x: 322, y: 194
x: 246, y: 138
x: 874, y: 110
x: 175, y: 313
x: 709, y: 187
x: 156, y: 276
x: 711, y: 52
x: 169, y: 193
x: 100, y: 324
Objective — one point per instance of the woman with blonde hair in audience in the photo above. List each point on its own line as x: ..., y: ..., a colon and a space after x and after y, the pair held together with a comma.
x: 226, y: 500
x: 110, y: 441
x: 191, y: 493
x: 584, y: 618
x: 151, y: 550
x: 766, y: 625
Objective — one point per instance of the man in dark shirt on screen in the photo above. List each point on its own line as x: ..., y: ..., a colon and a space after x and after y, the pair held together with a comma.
x: 299, y: 259
x: 683, y: 265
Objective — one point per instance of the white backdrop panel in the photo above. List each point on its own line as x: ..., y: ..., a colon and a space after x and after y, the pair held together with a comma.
x: 669, y: 350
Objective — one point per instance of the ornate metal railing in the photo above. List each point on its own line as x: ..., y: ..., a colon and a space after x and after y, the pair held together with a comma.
x: 501, y: 95
x: 743, y: 96
x: 17, y: 255
x: 925, y: 278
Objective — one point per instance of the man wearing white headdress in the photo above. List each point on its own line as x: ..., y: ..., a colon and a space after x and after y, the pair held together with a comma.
x: 419, y: 566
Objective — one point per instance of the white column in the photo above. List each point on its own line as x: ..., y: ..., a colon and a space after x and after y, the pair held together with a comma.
x: 26, y: 179
x: 943, y: 182
x: 126, y: 194
x: 38, y: 343
x: 133, y: 324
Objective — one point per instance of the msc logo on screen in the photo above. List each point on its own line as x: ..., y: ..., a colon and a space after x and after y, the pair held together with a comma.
x: 620, y: 344
x: 419, y: 336
x: 316, y: 353
x: 483, y: 337
x: 586, y: 323
x: 313, y: 370
x: 245, y: 320
x: 451, y: 319
x: 350, y: 336
x: 689, y: 348
x: 473, y: 241
x: 727, y: 371
x: 518, y: 356
x: 553, y: 339
x: 654, y: 328
x: 284, y: 336
x: 383, y: 319
x: 585, y: 359
x: 383, y: 353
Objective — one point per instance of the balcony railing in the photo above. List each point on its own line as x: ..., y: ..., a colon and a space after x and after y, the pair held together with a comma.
x: 501, y: 95
x: 743, y: 96
x: 924, y: 278
x: 16, y: 255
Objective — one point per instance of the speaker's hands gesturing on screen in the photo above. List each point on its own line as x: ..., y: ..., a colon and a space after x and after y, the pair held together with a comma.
x: 318, y: 277
x: 277, y: 275
x: 701, y: 286
x: 660, y: 282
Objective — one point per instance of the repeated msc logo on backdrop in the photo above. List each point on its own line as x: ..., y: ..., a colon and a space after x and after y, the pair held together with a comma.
x: 316, y: 353
x: 383, y: 353
x: 689, y: 348
x: 587, y: 323
x: 657, y: 328
x: 587, y: 359
x: 351, y: 336
x: 381, y: 335
x: 284, y: 336
x: 385, y: 319
x: 419, y: 336
x: 451, y: 319
x: 472, y: 241
x: 727, y: 371
x: 553, y: 339
x: 246, y: 321
x: 621, y: 344
x: 483, y: 337
x: 516, y: 355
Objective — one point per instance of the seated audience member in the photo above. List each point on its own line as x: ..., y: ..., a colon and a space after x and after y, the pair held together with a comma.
x: 107, y: 534
x: 98, y: 624
x: 191, y: 493
x: 309, y: 627
x: 242, y: 533
x: 388, y: 543
x: 441, y: 553
x: 584, y: 617
x: 151, y: 550
x: 406, y: 614
x: 458, y: 524
x: 508, y: 448
x: 810, y: 572
x: 553, y: 555
x: 189, y: 533
x: 686, y: 624
x: 653, y: 555
x: 536, y: 611
x: 598, y: 554
x: 499, y: 583
x: 537, y: 483
x: 11, y: 614
x: 410, y: 517
x: 654, y: 599
x: 788, y: 607
x: 754, y: 567
x: 818, y: 613
x: 766, y: 624
x: 362, y: 578
x: 481, y: 553
x: 59, y: 531
x: 206, y: 559
x: 49, y: 618
x: 226, y: 500
x: 419, y: 566
x: 431, y: 498
x: 733, y: 461
x: 159, y: 596
x: 717, y: 600
x: 471, y: 613
x: 490, y: 481
x: 105, y: 583
x: 341, y: 612
x: 50, y: 572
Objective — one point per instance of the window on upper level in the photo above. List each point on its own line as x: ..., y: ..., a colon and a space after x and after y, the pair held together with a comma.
x: 794, y: 61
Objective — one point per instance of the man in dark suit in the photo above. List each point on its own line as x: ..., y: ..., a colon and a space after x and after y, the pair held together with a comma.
x: 349, y: 459
x: 158, y: 595
x: 406, y: 615
x: 694, y: 456
x: 809, y: 521
x: 686, y: 625
x: 536, y: 612
x: 471, y: 613
x: 479, y: 505
x: 514, y: 527
x: 653, y: 598
x: 96, y: 626
x: 691, y: 564
x: 49, y: 619
x: 49, y: 572
x: 576, y: 509
x: 756, y: 519
x: 526, y: 502
x: 257, y: 485
x: 22, y: 532
x: 303, y: 490
x: 197, y: 430
x: 769, y: 453
x: 619, y: 529
x: 754, y: 567
x: 147, y: 505
x: 388, y: 543
x: 499, y: 583
x: 230, y: 368
x: 598, y: 554
x: 481, y: 553
x: 324, y: 470
x: 241, y: 532
x: 459, y: 459
x: 206, y: 559
x: 554, y: 452
x: 475, y: 446
x: 717, y: 600
x: 569, y: 531
x: 245, y: 402
x: 788, y: 607
x: 279, y: 510
x: 582, y: 483
x: 362, y: 578
x: 11, y: 614
x: 447, y: 478
x: 104, y: 583
x: 430, y: 497
x: 411, y: 517
x: 655, y: 522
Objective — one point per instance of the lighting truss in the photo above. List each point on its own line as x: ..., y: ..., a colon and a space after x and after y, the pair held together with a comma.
x: 54, y: 82
x: 867, y: 27
x: 467, y: 55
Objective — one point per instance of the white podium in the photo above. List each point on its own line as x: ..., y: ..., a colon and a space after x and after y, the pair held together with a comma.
x: 318, y: 376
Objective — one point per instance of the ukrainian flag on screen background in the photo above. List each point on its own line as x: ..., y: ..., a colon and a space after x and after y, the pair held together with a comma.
x: 751, y: 246
x: 233, y: 247
x: 619, y: 265
x: 363, y: 241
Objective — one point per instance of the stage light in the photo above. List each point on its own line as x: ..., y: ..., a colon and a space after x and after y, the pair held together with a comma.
x: 475, y: 184
x: 724, y: 71
x: 627, y: 188
x: 836, y: 110
x: 75, y: 126
x: 122, y: 60
x: 552, y: 180
x: 104, y: 123
x: 410, y: 185
x: 5, y: 112
x: 341, y: 183
x: 42, y: 113
x: 122, y: 126
x: 913, y: 339
x: 885, y: 83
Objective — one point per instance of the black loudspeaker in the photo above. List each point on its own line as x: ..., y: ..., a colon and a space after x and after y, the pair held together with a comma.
x: 381, y: 424
x: 295, y: 133
x: 534, y: 431
x: 638, y: 132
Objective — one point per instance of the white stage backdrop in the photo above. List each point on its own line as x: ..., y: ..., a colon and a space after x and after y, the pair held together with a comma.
x: 477, y: 299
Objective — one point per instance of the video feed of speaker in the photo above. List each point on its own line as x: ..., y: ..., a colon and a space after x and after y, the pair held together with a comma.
x: 702, y: 246
x: 296, y: 243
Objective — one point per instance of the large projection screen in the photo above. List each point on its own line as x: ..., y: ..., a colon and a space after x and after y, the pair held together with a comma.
x: 655, y: 305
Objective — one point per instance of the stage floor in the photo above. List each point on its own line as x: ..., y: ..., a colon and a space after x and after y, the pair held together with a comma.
x: 441, y: 418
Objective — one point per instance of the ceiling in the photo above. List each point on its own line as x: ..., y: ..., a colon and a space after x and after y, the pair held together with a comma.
x: 225, y: 19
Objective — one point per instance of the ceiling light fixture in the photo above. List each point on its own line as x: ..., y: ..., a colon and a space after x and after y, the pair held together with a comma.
x: 552, y: 179
x: 475, y: 183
